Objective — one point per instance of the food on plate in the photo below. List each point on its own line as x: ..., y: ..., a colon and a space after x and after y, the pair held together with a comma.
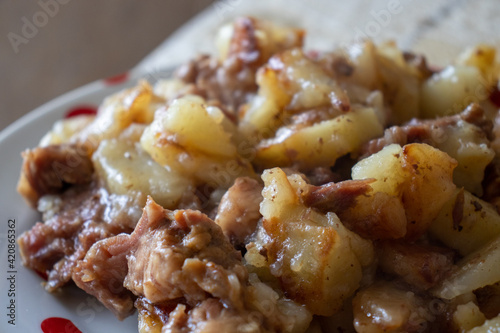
x: 274, y: 189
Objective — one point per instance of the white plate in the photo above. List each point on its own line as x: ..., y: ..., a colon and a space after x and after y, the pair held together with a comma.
x: 32, y: 303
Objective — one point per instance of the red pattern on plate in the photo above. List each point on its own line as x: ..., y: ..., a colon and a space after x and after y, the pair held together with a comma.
x: 81, y: 110
x: 495, y: 97
x: 43, y: 275
x: 58, y: 325
x: 117, y: 79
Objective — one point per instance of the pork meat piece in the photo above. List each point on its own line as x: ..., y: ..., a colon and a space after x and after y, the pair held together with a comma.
x: 52, y: 169
x: 73, y: 222
x: 170, y: 255
x: 238, y: 212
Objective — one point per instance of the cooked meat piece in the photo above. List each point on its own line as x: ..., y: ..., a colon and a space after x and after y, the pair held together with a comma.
x: 168, y: 256
x: 371, y: 215
x: 238, y: 211
x: 321, y: 175
x: 52, y: 169
x: 418, y: 265
x: 186, y: 276
x: 102, y: 271
x: 73, y: 222
x: 336, y: 197
x: 488, y: 299
x: 208, y: 316
x: 430, y: 131
x: 232, y: 82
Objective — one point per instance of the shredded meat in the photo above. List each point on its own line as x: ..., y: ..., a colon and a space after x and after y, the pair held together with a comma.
x: 420, y: 266
x: 238, y: 212
x: 73, y: 222
x: 428, y: 131
x: 52, y: 169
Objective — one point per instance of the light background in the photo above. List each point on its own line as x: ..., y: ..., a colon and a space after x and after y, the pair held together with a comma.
x: 82, y: 42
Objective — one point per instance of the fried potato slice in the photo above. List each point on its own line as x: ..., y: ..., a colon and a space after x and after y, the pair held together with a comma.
x: 316, y: 259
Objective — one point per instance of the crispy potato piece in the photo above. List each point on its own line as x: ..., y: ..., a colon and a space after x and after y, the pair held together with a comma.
x: 288, y: 84
x: 418, y: 174
x: 63, y: 130
x: 465, y: 223
x: 384, y: 68
x: 320, y: 144
x: 119, y: 111
x: 178, y: 137
x: 316, y: 259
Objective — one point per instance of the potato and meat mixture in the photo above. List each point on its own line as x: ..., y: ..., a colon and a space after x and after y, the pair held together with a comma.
x: 274, y: 189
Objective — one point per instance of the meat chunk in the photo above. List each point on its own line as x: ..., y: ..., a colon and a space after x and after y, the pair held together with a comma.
x: 184, y: 276
x: 336, y: 197
x: 418, y: 265
x: 371, y: 215
x: 73, y: 222
x: 170, y: 255
x: 238, y: 211
x: 52, y: 169
x: 432, y: 132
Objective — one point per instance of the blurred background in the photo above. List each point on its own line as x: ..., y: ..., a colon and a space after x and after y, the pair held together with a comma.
x: 49, y: 47
x: 76, y: 42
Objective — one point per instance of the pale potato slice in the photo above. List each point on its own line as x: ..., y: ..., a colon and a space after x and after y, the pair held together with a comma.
x: 481, y: 56
x: 467, y: 316
x: 489, y: 326
x: 129, y: 170
x: 449, y: 91
x: 63, y: 130
x: 289, y: 83
x: 467, y: 144
x: 478, y: 269
x: 465, y: 223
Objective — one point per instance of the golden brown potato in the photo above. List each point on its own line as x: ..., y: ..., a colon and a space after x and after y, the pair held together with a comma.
x: 418, y: 174
x: 178, y: 136
x: 320, y: 144
x: 119, y: 111
x: 316, y: 259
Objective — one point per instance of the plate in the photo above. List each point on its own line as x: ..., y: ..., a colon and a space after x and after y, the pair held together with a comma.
x: 20, y: 287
